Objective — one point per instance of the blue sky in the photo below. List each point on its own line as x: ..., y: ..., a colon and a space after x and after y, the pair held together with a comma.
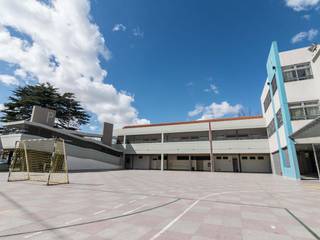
x: 174, y: 55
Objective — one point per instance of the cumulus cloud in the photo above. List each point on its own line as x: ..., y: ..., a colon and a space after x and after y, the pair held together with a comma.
x: 1, y: 107
x: 119, y: 27
x: 309, y: 35
x: 8, y: 79
x: 137, y: 32
x: 215, y: 110
x: 63, y: 47
x: 300, y: 5
x: 212, y: 88
x: 306, y: 16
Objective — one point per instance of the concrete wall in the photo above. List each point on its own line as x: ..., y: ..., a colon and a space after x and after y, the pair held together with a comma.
x: 78, y: 158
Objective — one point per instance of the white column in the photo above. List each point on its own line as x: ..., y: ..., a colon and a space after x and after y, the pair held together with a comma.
x: 124, y: 151
x: 162, y: 161
x: 162, y: 155
x: 316, y: 159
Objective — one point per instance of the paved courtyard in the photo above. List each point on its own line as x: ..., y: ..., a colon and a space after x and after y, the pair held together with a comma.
x: 161, y: 205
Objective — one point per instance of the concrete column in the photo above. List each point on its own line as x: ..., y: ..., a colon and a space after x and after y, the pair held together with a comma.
x: 190, y: 162
x: 162, y: 161
x: 124, y: 151
x: 316, y: 160
x: 162, y: 155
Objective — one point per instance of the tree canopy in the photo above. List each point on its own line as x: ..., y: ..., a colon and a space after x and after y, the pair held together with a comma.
x: 69, y: 112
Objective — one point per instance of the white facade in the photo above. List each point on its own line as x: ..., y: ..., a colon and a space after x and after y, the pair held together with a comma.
x: 302, y: 90
x: 189, y: 146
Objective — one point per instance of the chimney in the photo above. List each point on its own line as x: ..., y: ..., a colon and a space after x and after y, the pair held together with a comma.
x: 42, y: 115
x: 107, y: 133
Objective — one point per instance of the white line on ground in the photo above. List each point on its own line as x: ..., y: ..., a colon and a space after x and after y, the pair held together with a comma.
x: 33, y: 234
x: 132, y: 201
x: 120, y: 205
x: 73, y: 220
x: 99, y: 212
x: 187, y: 210
x: 133, y: 210
x: 174, y: 220
x: 143, y: 197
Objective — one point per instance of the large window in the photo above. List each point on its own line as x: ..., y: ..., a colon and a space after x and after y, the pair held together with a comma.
x: 297, y: 72
x: 274, y: 85
x: 148, y: 138
x: 279, y: 118
x: 267, y: 101
x: 271, y: 128
x: 304, y: 110
x: 240, y: 134
x: 187, y: 136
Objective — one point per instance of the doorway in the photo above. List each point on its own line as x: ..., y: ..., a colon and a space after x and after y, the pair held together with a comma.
x: 307, y: 163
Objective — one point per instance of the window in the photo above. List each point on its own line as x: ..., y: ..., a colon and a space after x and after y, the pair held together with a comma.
x: 304, y: 110
x: 186, y: 136
x: 271, y: 128
x: 244, y: 158
x: 297, y: 72
x: 120, y: 139
x: 260, y: 157
x: 279, y: 118
x: 148, y: 138
x: 252, y: 158
x: 225, y: 157
x: 267, y: 102
x: 207, y: 157
x: 274, y: 85
x: 182, y: 157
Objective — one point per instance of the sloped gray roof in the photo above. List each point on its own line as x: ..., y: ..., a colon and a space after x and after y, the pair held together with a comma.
x: 311, y: 130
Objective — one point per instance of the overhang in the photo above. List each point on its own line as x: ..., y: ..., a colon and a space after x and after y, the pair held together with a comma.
x: 309, y: 134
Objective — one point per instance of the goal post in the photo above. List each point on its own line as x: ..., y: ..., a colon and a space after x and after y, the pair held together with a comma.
x: 39, y: 160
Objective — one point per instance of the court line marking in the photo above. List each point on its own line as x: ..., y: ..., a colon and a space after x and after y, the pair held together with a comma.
x: 33, y: 234
x: 165, y: 228
x: 99, y: 212
x: 133, y: 210
x: 119, y: 205
x: 73, y: 220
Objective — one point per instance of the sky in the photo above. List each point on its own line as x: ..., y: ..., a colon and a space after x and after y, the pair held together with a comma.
x: 148, y: 61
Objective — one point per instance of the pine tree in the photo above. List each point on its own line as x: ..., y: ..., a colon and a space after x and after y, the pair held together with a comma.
x: 69, y: 112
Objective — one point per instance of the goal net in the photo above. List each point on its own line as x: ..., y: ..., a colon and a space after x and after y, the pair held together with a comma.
x: 39, y: 160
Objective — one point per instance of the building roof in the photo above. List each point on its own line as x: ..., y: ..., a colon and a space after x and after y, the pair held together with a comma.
x: 196, y: 121
x: 310, y: 133
x: 61, y: 132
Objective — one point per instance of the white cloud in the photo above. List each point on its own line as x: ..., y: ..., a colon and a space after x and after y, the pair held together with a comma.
x: 8, y: 79
x: 1, y: 107
x: 212, y: 88
x: 216, y: 110
x: 137, y: 32
x: 65, y: 50
x: 300, y: 5
x: 197, y: 110
x: 309, y: 35
x: 119, y: 27
x: 306, y: 16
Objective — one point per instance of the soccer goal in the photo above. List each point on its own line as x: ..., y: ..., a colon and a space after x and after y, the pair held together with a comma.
x: 39, y: 160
